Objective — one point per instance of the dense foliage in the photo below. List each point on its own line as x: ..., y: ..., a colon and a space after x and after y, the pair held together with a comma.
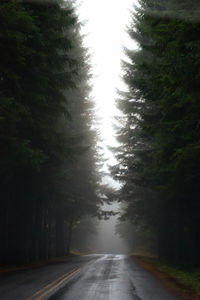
x: 48, y: 163
x: 159, y: 136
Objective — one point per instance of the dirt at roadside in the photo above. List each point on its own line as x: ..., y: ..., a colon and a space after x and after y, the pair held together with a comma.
x: 172, y: 284
x: 12, y: 269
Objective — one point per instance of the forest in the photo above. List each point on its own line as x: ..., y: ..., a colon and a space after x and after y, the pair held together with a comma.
x: 158, y: 130
x: 49, y: 165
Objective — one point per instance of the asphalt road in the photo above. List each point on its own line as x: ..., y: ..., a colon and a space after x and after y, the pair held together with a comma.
x: 91, y: 277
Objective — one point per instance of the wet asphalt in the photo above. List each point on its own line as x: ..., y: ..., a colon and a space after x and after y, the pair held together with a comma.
x: 96, y: 277
x: 114, y: 277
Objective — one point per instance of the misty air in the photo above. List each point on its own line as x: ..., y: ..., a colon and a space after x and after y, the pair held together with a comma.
x: 99, y: 150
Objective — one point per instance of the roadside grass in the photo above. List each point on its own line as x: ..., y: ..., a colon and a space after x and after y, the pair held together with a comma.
x: 190, y: 279
x: 33, y: 265
x: 75, y: 252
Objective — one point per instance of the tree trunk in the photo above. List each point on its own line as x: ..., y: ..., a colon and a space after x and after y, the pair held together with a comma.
x: 69, y: 236
x: 60, y: 233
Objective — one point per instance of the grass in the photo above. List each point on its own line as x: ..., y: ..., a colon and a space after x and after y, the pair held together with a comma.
x: 32, y: 265
x: 75, y: 252
x: 190, y: 279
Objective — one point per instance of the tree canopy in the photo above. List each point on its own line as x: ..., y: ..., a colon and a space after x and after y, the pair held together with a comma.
x: 49, y: 162
x: 158, y: 156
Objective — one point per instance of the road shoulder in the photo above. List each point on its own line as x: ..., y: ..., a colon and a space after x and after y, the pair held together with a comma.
x: 173, y: 285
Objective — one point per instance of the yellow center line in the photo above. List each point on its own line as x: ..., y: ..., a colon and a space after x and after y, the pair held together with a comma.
x: 56, y: 285
x: 49, y: 287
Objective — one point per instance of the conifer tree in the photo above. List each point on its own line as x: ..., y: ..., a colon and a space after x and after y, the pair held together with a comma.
x: 159, y: 152
x: 48, y: 157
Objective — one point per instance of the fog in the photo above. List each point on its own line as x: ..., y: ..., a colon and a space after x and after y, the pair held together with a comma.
x: 107, y: 241
x: 106, y: 69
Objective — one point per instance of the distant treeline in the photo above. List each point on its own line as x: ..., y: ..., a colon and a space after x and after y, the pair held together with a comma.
x: 159, y: 130
x: 49, y: 167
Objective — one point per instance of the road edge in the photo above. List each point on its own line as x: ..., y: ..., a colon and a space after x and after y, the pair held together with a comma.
x: 181, y: 290
x: 18, y: 268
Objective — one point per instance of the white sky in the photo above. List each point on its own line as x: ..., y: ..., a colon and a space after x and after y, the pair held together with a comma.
x: 106, y: 35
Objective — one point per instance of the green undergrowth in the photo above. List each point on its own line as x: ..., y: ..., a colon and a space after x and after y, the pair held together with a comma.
x: 32, y: 265
x: 189, y: 278
x: 75, y: 252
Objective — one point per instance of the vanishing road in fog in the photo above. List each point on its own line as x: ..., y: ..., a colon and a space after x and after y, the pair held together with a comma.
x: 91, y: 277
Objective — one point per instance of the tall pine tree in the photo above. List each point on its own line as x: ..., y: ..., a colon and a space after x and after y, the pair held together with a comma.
x: 159, y: 136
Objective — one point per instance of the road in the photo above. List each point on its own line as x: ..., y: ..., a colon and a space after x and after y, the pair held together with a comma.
x: 90, y: 277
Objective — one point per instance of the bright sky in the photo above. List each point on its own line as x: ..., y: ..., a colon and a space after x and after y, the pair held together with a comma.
x: 106, y: 35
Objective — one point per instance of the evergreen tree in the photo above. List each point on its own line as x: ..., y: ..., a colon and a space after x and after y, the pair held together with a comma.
x: 48, y: 156
x: 159, y: 136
